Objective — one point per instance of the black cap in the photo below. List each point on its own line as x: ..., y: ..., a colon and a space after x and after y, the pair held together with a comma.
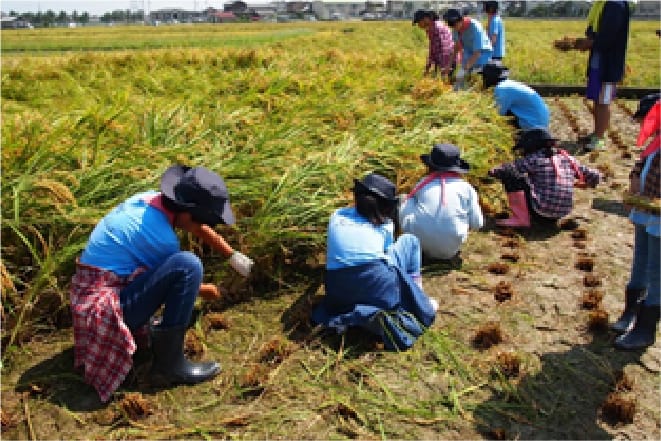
x: 198, y: 191
x: 645, y: 104
x: 533, y: 140
x: 452, y: 16
x: 378, y: 185
x: 491, y: 6
x: 418, y: 16
x: 423, y: 13
x: 445, y: 157
x: 493, y: 73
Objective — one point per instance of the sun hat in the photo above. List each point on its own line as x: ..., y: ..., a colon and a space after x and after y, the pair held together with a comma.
x: 198, y: 191
x: 645, y: 104
x: 377, y: 185
x: 493, y: 73
x: 452, y: 16
x: 534, y: 139
x: 445, y: 157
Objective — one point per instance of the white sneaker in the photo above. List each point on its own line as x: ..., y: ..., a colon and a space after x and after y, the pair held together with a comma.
x: 434, y: 303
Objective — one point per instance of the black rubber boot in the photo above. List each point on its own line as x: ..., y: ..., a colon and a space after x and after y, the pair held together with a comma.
x: 170, y: 363
x: 632, y: 300
x: 643, y: 333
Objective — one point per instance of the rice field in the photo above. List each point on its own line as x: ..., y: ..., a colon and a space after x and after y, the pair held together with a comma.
x: 289, y: 114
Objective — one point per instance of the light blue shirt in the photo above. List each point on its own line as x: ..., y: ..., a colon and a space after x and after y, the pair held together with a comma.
x: 526, y: 104
x: 651, y: 222
x: 497, y: 28
x: 353, y: 240
x: 134, y: 234
x: 474, y: 39
x: 442, y: 229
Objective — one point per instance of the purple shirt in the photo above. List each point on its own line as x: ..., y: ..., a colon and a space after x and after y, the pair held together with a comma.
x: 441, y: 46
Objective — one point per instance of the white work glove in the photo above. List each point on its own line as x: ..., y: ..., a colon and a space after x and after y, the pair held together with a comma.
x: 241, y: 263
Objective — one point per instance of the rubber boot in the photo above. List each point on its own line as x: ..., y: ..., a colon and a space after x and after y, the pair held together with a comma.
x: 169, y: 362
x: 632, y: 300
x: 520, y: 215
x: 643, y: 333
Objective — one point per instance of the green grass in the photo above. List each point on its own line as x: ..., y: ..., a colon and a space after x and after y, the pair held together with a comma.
x: 141, y: 38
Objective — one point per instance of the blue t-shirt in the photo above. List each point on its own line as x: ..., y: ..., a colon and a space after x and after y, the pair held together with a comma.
x: 134, y: 234
x: 353, y: 240
x: 526, y: 104
x: 497, y: 28
x: 474, y: 39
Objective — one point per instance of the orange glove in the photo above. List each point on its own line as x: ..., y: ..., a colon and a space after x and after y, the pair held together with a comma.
x: 209, y: 292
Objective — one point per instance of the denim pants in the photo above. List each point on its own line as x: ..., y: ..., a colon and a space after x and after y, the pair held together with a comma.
x: 645, y: 271
x: 405, y: 253
x: 174, y: 284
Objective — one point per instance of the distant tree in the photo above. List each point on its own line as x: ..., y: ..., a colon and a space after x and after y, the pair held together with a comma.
x: 514, y: 9
x: 62, y: 17
x: 85, y: 17
x: 49, y: 18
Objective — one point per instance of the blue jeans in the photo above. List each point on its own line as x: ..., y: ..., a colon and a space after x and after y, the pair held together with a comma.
x: 406, y: 254
x: 645, y: 271
x: 174, y: 284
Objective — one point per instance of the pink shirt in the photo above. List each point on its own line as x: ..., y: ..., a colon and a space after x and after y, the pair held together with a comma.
x: 441, y: 46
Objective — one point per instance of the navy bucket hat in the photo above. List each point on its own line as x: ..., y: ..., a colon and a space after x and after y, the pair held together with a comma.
x: 445, y: 157
x: 534, y: 139
x: 377, y: 185
x: 200, y: 192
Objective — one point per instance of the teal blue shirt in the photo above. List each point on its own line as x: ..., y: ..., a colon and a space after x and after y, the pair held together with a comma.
x: 474, y: 39
x: 353, y: 240
x: 525, y: 103
x: 134, y: 234
x: 497, y: 28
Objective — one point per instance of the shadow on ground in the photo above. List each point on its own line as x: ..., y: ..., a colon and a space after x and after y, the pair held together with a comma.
x: 560, y: 401
x: 610, y: 206
x: 56, y: 380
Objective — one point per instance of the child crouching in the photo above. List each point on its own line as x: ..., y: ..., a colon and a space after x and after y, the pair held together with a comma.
x: 540, y: 185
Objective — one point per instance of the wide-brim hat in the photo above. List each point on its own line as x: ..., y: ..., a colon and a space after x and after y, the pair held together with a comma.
x: 492, y: 73
x: 534, y: 139
x: 445, y: 157
x: 377, y: 185
x: 200, y: 192
x: 645, y: 104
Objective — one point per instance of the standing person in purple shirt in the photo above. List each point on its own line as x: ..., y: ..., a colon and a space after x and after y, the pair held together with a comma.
x: 607, y: 36
x: 441, y: 45
x: 495, y: 31
x: 543, y: 179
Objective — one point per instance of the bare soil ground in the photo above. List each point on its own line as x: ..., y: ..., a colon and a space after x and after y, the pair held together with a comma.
x: 519, y: 350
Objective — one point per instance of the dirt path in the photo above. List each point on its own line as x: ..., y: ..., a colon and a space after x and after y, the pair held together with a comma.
x: 277, y: 386
x: 554, y: 320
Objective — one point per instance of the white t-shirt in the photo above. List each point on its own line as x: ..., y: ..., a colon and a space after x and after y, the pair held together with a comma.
x: 442, y: 228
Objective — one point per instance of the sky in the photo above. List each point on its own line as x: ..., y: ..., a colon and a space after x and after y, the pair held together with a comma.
x: 102, y: 6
